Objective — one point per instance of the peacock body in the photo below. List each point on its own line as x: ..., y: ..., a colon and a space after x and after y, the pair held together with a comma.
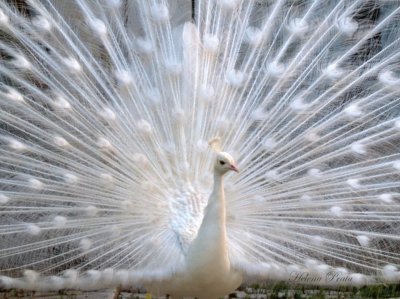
x: 106, y: 173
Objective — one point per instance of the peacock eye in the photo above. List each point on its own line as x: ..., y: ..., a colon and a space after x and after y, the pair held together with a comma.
x: 221, y: 162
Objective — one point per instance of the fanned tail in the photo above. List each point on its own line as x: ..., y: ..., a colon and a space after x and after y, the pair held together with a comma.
x: 106, y: 109
x: 318, y: 136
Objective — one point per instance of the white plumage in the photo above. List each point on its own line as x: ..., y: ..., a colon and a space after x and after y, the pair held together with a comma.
x: 206, y: 271
x: 106, y: 175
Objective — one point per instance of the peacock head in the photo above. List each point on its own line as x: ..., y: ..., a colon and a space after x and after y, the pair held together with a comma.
x: 224, y: 163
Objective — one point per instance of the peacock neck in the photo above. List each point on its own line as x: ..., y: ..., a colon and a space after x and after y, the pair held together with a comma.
x: 209, y: 249
x: 213, y: 226
x: 215, y: 209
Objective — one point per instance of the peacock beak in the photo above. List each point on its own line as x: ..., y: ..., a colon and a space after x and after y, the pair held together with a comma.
x: 234, y: 168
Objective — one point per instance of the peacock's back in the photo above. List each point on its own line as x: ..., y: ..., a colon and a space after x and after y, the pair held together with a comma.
x: 106, y: 108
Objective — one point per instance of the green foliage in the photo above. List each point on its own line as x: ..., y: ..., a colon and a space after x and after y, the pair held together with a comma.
x: 285, y: 291
x: 380, y: 291
x: 272, y: 291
